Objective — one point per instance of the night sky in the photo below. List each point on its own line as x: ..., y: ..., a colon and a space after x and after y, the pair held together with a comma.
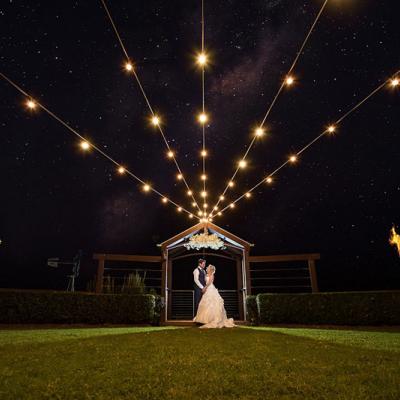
x: 340, y: 199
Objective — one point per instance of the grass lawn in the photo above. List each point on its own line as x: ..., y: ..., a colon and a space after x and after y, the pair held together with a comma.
x: 184, y: 363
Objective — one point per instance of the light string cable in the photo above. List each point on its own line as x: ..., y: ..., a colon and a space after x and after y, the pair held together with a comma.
x: 393, y: 81
x: 87, y: 144
x: 260, y: 131
x: 202, y: 60
x: 155, y: 119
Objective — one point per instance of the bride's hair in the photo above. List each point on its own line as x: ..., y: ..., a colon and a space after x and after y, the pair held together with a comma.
x: 211, y: 268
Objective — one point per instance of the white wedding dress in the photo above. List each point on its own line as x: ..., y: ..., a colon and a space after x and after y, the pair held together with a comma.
x: 211, y: 311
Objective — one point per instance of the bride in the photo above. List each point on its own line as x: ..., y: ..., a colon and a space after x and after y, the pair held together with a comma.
x: 211, y: 311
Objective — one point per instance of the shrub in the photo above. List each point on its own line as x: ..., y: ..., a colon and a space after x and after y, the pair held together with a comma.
x: 25, y: 306
x: 341, y: 308
x: 252, y: 310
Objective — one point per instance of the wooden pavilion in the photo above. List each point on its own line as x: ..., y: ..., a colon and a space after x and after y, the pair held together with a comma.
x: 253, y: 273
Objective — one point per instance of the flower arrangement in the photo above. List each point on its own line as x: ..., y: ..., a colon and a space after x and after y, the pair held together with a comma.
x: 205, y: 240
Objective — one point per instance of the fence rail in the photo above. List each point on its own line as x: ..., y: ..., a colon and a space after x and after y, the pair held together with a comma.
x: 182, y: 303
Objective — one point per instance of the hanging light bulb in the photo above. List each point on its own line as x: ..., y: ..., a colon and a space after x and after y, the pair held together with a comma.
x: 331, y: 128
x: 30, y: 104
x: 202, y: 59
x: 155, y: 120
x: 85, y: 145
x: 395, y: 82
x: 289, y: 80
x: 259, y: 132
x: 129, y: 66
x: 242, y: 164
x: 203, y: 118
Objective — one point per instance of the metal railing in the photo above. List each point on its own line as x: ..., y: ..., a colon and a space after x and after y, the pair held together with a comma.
x: 182, y: 303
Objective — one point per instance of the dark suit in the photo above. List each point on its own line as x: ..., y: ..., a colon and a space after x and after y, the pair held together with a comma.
x: 197, y: 291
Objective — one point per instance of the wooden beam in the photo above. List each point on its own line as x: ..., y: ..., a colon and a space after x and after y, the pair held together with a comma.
x: 127, y: 257
x: 287, y: 257
x: 313, y: 276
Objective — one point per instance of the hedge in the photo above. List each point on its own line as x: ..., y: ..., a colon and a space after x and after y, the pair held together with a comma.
x: 339, y: 308
x: 25, y: 306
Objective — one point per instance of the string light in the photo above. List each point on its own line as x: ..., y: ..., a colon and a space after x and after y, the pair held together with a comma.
x: 293, y: 158
x: 203, y: 153
x: 194, y: 204
x: 191, y: 216
x: 219, y: 213
x: 289, y: 80
x: 85, y: 145
x: 221, y: 198
x: 231, y: 184
x: 121, y: 170
x: 259, y: 132
x: 31, y: 104
x: 205, y: 205
x: 129, y: 67
x: 203, y: 177
x: 202, y: 59
x: 203, y: 118
x: 203, y: 194
x: 190, y: 193
x: 170, y: 154
x: 155, y: 120
x: 200, y: 213
x: 248, y: 195
x: 331, y: 128
x: 179, y: 209
x: 232, y: 205
x: 395, y: 82
x: 215, y: 208
x: 179, y: 177
x: 242, y: 164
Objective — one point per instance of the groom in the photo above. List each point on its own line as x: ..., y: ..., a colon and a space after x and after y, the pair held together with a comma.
x: 199, y: 275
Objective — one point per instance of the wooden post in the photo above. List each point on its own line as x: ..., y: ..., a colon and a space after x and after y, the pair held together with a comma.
x: 247, y: 270
x: 99, y: 276
x: 163, y: 293
x: 169, y: 288
x: 239, y: 278
x: 313, y: 276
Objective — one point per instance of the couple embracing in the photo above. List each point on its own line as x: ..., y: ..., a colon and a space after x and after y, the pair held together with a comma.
x: 208, y: 303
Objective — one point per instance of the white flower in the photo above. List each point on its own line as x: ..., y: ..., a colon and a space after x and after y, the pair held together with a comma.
x: 205, y: 240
